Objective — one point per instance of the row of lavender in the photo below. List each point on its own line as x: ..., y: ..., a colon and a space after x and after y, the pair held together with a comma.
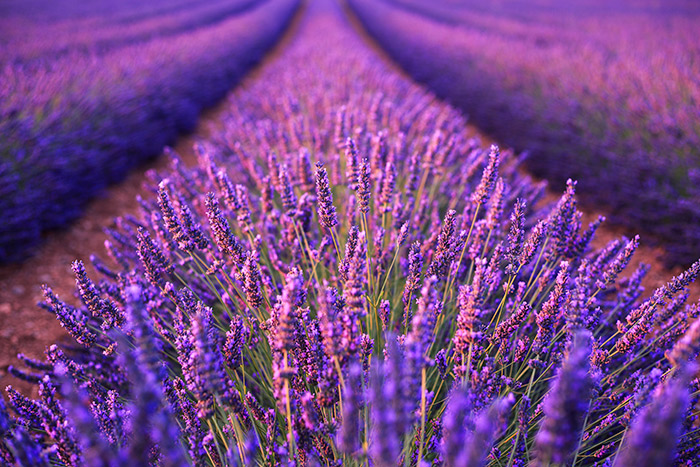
x: 101, y: 28
x: 76, y: 121
x: 348, y: 279
x: 604, y: 92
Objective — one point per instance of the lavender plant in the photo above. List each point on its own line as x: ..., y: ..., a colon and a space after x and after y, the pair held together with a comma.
x: 346, y: 278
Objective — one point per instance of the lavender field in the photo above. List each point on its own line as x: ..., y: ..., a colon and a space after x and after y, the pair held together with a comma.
x: 88, y: 93
x: 604, y: 92
x: 349, y: 276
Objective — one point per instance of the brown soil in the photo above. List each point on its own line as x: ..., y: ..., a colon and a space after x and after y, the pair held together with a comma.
x: 28, y: 329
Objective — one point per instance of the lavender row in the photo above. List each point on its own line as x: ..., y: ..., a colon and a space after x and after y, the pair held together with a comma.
x: 605, y: 93
x: 347, y: 278
x: 97, y: 34
x: 81, y: 121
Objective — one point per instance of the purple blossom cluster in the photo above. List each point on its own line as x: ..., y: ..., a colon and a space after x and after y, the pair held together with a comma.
x: 268, y: 307
x: 87, y: 97
x: 603, y: 92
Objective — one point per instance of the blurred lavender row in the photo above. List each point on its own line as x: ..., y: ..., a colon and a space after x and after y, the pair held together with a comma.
x: 604, y: 92
x: 77, y: 115
x: 103, y: 27
x: 348, y: 278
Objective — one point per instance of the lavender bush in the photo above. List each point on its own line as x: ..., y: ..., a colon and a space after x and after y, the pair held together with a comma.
x: 604, y: 92
x: 347, y: 279
x: 77, y: 115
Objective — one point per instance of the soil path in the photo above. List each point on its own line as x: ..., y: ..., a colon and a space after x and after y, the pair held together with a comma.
x: 28, y: 329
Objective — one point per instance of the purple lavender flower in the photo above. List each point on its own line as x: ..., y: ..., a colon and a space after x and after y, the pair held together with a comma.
x: 415, y: 264
x: 233, y: 346
x: 620, y: 262
x: 457, y: 421
x: 302, y: 169
x: 193, y: 234
x: 445, y: 251
x: 267, y: 195
x: 483, y: 191
x: 687, y: 347
x: 352, y: 164
x: 226, y: 241
x: 566, y: 406
x: 353, y: 291
x: 170, y: 219
x: 289, y: 198
x: 495, y: 211
x: 156, y: 266
x: 487, y: 427
x: 326, y: 210
x: 225, y: 186
x: 329, y: 308
x: 18, y: 447
x: 243, y: 207
x: 584, y: 240
x: 348, y: 440
x: 653, y: 436
x: 350, y: 252
x: 434, y: 143
x: 151, y: 422
x: 420, y: 337
x: 641, y: 320
x: 364, y: 186
x: 252, y: 282
x: 384, y: 313
x: 386, y: 193
x: 95, y: 449
x: 564, y: 222
x: 467, y: 333
x: 505, y: 329
x: 385, y: 443
x: 98, y: 306
x: 441, y: 363
x: 682, y: 280
x: 288, y: 314
x: 208, y: 379
x: 71, y: 319
x: 533, y: 242
x: 516, y: 236
x: 550, y: 313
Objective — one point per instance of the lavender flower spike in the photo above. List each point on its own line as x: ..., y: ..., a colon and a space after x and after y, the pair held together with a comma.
x: 98, y: 306
x: 326, y: 210
x: 70, y: 318
x: 687, y: 347
x: 226, y: 241
x: 456, y: 422
x: 488, y: 178
x: 565, y: 406
x: 363, y: 188
x: 620, y: 262
x: 487, y: 427
x: 385, y: 444
x: 516, y: 236
x: 352, y: 164
x: 654, y: 434
x: 252, y: 281
x: 349, y: 434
